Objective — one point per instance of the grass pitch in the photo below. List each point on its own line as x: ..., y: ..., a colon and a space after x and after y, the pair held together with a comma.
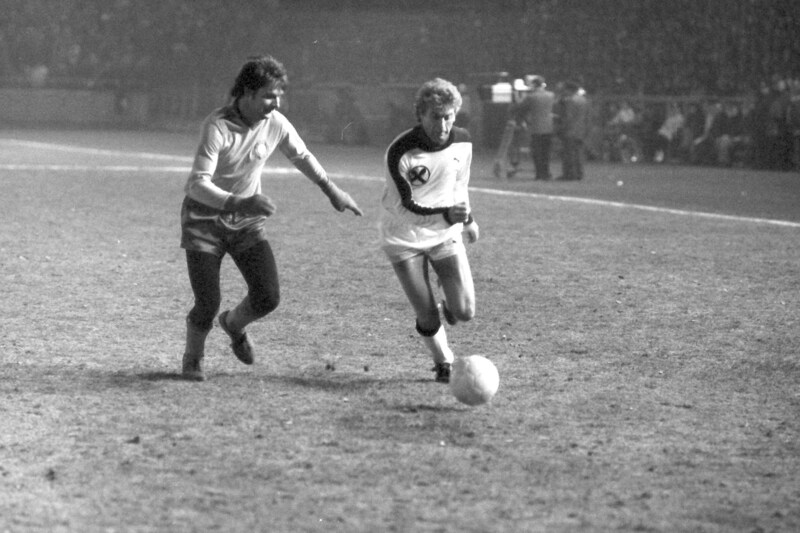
x: 648, y: 358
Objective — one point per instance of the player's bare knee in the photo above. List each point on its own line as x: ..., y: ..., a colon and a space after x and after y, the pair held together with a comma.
x: 462, y: 310
x: 464, y: 314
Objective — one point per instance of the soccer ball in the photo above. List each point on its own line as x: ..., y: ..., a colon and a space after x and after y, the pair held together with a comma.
x: 474, y: 379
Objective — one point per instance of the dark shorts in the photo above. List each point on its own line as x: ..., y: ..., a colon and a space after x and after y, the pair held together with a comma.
x: 209, y: 230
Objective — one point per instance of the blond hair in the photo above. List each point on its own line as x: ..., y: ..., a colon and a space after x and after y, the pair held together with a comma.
x: 437, y: 94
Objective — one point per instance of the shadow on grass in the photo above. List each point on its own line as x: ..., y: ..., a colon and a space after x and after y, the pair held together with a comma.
x: 420, y: 407
x: 338, y: 382
x: 58, y: 381
x: 157, y: 376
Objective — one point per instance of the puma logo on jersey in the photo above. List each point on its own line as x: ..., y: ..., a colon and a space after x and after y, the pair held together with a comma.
x: 419, y: 175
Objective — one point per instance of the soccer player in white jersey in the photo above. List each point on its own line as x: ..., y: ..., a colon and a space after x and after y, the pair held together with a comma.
x: 225, y: 212
x: 425, y: 211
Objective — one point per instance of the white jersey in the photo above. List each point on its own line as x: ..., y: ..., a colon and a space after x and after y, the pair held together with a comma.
x: 422, y: 182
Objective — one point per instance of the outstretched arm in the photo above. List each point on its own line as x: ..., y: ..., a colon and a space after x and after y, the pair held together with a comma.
x: 311, y: 168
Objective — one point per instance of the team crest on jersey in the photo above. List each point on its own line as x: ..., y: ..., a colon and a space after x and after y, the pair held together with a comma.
x: 260, y: 151
x: 419, y: 175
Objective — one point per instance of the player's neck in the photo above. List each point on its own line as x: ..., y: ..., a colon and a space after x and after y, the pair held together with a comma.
x: 247, y: 117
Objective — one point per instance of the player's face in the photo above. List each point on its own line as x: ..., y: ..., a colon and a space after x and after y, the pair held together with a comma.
x: 256, y: 105
x: 437, y: 123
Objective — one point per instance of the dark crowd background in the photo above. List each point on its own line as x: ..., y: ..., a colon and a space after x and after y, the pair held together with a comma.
x: 648, y: 53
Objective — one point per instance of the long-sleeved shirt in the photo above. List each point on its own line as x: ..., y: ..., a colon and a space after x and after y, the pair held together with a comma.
x: 231, y: 155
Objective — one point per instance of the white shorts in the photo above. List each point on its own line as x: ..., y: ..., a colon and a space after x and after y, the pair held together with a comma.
x: 398, y: 253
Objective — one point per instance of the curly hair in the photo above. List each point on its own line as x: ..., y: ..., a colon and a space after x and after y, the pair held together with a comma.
x: 437, y: 94
x: 258, y: 72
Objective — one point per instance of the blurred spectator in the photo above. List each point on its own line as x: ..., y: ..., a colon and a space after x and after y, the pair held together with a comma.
x: 695, y: 124
x: 704, y: 146
x: 794, y: 122
x: 652, y: 118
x: 759, y: 124
x: 732, y: 140
x: 37, y: 75
x: 622, y: 136
x: 636, y: 45
x: 668, y: 136
x: 594, y: 143
x: 646, y: 47
x: 573, y: 108
x: 536, y: 111
x: 779, y: 132
x: 625, y: 117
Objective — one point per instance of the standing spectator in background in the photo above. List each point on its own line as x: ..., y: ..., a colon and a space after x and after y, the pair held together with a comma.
x: 704, y: 146
x: 695, y: 124
x: 625, y: 118
x: 759, y: 125
x: 668, y: 135
x: 623, y: 134
x: 536, y: 110
x: 778, y: 130
x: 652, y: 117
x: 574, y: 128
x: 224, y: 211
x: 732, y: 138
x: 793, y: 118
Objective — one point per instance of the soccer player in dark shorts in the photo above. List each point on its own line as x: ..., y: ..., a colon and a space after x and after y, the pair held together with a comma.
x: 225, y: 212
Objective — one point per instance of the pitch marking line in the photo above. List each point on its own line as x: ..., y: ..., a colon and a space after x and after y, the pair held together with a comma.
x: 93, y: 151
x: 640, y: 207
x: 339, y: 175
x: 94, y: 168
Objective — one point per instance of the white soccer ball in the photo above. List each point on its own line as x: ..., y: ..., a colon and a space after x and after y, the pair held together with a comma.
x: 474, y: 379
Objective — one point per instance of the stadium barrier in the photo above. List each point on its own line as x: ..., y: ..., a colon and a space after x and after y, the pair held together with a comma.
x: 331, y: 113
x: 72, y: 107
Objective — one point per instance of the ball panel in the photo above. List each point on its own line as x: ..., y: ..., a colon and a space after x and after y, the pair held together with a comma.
x: 474, y: 380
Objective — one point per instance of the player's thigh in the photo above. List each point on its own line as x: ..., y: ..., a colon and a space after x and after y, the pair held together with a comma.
x: 455, y: 276
x: 204, y: 269
x: 414, y: 278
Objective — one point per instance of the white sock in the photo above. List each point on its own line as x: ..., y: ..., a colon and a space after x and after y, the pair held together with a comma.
x: 437, y: 345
